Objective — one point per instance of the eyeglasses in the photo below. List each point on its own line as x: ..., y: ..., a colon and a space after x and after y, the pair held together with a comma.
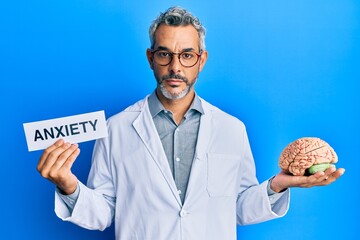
x: 186, y: 58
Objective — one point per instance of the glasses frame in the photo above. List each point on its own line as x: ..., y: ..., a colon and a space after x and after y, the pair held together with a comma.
x: 178, y: 55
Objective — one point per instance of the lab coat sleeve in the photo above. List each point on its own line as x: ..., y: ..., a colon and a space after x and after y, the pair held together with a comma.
x: 254, y: 205
x: 94, y: 208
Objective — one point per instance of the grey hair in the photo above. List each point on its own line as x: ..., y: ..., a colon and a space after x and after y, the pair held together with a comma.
x: 177, y: 16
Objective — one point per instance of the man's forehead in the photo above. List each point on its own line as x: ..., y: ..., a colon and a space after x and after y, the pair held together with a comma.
x: 184, y: 36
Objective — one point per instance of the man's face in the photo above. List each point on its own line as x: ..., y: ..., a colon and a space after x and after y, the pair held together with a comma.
x: 174, y: 80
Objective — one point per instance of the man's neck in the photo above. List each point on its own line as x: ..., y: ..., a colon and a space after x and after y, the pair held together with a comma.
x: 178, y: 107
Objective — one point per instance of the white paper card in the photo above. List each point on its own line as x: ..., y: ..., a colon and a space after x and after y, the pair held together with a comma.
x: 73, y: 129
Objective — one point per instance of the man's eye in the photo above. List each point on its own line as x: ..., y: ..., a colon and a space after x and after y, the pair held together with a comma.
x: 163, y: 54
x: 187, y: 55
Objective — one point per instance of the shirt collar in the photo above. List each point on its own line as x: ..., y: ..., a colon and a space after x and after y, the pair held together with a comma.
x: 156, y: 106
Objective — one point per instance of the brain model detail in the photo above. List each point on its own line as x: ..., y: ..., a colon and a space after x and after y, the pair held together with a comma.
x: 306, y: 156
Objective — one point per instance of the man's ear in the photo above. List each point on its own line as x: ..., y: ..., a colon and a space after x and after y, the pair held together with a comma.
x: 150, y: 59
x: 203, y: 59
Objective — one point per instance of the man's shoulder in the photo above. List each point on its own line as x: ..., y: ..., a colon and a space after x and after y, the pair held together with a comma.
x: 220, y: 115
x: 130, y: 112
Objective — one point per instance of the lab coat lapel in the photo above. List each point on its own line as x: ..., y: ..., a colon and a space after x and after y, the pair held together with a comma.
x: 198, y: 171
x: 146, y: 129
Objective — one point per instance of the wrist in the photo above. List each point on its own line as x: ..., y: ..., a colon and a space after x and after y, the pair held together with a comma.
x: 276, y: 186
x: 67, y: 190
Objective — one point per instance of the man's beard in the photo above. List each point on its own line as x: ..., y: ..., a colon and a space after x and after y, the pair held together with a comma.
x: 174, y: 96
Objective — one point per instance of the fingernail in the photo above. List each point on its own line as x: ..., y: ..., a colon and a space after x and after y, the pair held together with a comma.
x: 58, y: 142
x: 74, y: 145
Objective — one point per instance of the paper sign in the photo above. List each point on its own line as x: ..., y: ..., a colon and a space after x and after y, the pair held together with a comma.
x: 73, y: 129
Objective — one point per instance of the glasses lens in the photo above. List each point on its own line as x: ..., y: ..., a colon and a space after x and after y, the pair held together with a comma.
x: 162, y: 57
x: 188, y: 59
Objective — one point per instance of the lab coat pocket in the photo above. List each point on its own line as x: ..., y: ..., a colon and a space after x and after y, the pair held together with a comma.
x: 223, y: 170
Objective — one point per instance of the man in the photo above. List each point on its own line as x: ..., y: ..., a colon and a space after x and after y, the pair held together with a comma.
x: 173, y: 166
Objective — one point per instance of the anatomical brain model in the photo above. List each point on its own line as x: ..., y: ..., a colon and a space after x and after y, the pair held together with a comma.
x: 306, y: 156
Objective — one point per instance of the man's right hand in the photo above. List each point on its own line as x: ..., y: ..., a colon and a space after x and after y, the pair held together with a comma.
x: 55, y: 165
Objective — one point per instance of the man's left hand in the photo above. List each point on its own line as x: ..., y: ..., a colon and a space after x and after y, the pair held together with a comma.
x: 284, y: 180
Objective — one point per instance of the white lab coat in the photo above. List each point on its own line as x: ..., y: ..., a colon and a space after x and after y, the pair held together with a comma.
x: 133, y: 184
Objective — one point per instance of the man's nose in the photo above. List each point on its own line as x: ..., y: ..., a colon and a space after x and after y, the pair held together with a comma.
x: 175, y: 65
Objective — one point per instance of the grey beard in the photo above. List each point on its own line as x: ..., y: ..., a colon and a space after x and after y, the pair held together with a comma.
x: 174, y: 96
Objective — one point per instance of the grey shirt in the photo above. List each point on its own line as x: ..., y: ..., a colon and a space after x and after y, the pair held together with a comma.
x: 178, y: 140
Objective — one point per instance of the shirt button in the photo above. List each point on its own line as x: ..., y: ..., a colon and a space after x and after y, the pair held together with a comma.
x: 179, y: 191
x: 177, y: 159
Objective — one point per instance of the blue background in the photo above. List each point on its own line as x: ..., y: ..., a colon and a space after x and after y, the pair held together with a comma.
x: 288, y: 69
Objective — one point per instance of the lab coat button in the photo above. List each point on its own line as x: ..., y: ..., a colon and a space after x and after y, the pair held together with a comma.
x: 183, y: 213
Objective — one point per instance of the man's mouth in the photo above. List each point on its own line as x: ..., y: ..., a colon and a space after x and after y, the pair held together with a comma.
x: 173, y: 82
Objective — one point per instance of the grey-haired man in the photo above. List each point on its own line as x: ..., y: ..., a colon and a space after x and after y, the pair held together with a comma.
x: 174, y: 166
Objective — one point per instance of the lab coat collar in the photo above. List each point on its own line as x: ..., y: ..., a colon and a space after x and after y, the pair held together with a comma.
x: 146, y: 130
x: 198, y: 173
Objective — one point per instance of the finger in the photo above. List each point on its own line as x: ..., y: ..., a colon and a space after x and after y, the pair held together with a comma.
x: 61, y: 174
x: 52, y: 158
x: 320, y: 177
x: 327, y: 178
x: 337, y: 174
x: 71, y: 159
x: 330, y: 171
x: 330, y: 176
x: 312, y: 180
x: 64, y: 157
x: 46, y: 153
x: 317, y: 177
